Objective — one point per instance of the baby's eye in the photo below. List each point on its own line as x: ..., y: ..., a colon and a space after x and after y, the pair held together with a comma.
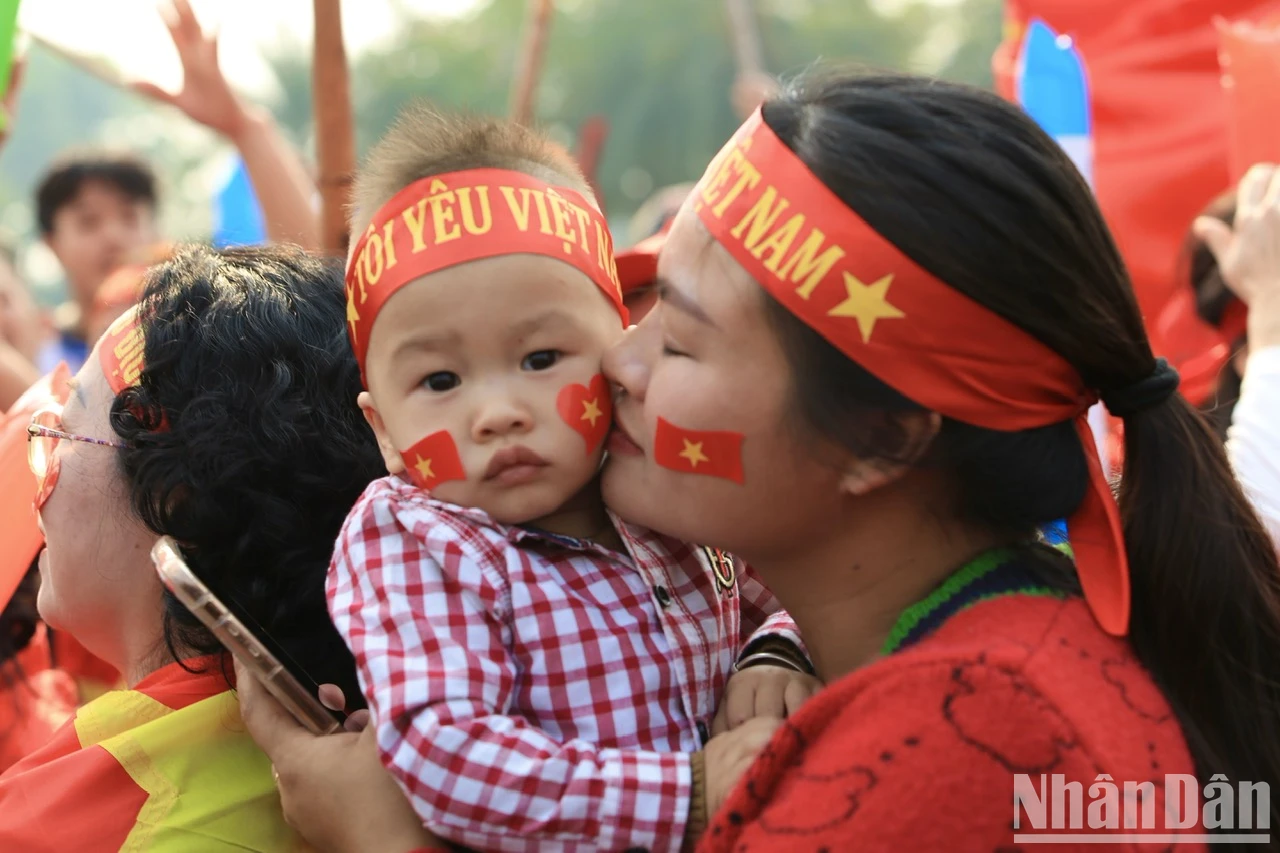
x: 443, y: 380
x: 540, y: 360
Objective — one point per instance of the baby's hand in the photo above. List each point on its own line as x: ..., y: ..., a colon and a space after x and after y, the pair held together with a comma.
x: 775, y: 692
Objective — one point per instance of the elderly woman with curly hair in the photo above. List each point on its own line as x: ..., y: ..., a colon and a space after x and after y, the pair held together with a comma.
x: 220, y: 413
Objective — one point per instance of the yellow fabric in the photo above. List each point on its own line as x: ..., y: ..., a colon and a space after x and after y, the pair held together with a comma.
x: 92, y: 688
x: 209, y: 787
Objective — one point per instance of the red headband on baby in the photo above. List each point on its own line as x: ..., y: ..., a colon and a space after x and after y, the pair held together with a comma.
x: 827, y: 266
x: 450, y: 219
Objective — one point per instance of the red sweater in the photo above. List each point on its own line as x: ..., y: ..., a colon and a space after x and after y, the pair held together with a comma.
x: 919, y: 750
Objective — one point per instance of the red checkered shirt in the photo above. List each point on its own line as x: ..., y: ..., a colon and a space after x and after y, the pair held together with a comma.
x: 531, y: 691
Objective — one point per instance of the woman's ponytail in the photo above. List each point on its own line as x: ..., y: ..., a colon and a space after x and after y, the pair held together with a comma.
x: 1206, y: 593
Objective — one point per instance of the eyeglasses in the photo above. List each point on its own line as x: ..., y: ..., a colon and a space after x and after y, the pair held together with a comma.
x: 43, y: 436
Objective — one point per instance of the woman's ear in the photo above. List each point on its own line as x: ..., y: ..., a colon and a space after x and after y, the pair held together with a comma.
x: 390, y: 456
x: 913, y: 434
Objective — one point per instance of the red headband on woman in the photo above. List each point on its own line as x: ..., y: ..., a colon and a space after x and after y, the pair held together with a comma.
x: 926, y: 340
x: 450, y: 219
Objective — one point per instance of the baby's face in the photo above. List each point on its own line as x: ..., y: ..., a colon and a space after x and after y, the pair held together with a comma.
x: 501, y: 357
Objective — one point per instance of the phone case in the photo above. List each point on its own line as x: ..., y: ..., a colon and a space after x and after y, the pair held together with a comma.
x: 237, y: 639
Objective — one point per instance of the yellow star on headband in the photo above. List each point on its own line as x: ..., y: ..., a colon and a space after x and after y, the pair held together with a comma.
x: 591, y: 411
x: 424, y: 468
x: 693, y: 452
x: 867, y: 303
x: 353, y: 316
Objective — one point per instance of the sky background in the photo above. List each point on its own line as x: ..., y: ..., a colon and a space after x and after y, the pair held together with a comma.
x: 130, y: 34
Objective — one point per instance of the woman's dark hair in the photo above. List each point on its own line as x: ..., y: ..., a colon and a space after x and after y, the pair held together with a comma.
x: 244, y: 441
x: 1200, y: 268
x: 973, y: 191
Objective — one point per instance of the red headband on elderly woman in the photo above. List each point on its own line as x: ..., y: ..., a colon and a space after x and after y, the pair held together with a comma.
x: 121, y: 351
x: 451, y: 219
x: 928, y: 341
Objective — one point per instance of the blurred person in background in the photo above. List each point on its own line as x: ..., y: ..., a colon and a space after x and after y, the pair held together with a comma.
x: 1236, y: 274
x: 647, y: 230
x: 16, y: 374
x: 1216, y: 305
x: 654, y: 215
x: 638, y: 265
x: 23, y: 325
x: 122, y: 290
x: 23, y: 328
x: 97, y: 210
x: 23, y: 331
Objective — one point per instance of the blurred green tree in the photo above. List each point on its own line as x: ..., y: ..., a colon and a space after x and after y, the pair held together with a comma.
x: 660, y: 72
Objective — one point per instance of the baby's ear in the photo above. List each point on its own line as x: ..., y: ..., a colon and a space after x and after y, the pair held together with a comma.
x: 390, y: 456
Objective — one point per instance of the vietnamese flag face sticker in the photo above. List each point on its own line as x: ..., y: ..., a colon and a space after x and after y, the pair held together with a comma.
x: 433, y: 460
x: 587, y: 409
x: 712, y: 453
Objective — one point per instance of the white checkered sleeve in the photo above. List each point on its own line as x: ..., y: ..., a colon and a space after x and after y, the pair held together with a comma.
x: 424, y: 606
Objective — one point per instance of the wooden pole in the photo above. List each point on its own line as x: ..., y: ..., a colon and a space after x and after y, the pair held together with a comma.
x: 591, y: 138
x: 744, y: 34
x: 525, y: 83
x: 335, y: 132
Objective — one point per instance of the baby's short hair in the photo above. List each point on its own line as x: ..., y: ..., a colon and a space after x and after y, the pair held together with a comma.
x: 423, y: 142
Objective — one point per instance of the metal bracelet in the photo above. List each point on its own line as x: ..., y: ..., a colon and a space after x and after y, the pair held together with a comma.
x: 767, y: 657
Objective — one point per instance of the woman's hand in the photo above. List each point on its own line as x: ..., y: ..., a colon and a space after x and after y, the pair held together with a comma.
x: 206, y: 96
x: 775, y: 692
x: 333, y: 788
x: 280, y: 179
x: 1248, y: 254
x: 727, y: 757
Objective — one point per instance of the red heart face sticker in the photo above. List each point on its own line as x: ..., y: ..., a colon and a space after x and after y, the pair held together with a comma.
x: 587, y: 409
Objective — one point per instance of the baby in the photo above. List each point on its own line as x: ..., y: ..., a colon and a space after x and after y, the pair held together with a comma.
x: 542, y: 675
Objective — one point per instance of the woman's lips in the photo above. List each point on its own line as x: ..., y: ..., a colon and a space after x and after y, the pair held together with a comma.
x: 621, y: 443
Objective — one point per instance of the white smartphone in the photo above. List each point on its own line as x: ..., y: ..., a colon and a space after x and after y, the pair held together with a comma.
x: 300, y: 701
